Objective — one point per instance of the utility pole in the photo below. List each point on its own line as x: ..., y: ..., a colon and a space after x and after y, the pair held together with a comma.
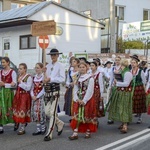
x: 112, y: 27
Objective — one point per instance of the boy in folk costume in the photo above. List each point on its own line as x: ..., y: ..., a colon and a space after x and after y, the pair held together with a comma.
x: 8, y: 80
x: 138, y: 84
x: 22, y: 100
x: 84, y: 109
x: 38, y: 105
x: 54, y: 75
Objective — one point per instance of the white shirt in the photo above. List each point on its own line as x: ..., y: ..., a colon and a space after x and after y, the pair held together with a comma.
x: 126, y: 81
x: 100, y: 81
x: 55, y: 72
x: 26, y: 85
x: 100, y: 69
x: 36, y: 79
x: 107, y: 72
x: 14, y: 78
x: 89, y: 91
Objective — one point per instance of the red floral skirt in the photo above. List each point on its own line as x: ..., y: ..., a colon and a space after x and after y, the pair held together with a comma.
x: 90, y: 117
x: 22, y: 107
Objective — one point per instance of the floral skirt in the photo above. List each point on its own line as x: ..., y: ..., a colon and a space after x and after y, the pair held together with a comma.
x: 6, y: 113
x: 120, y: 108
x: 22, y: 108
x: 89, y: 117
x: 38, y: 110
x: 139, y: 99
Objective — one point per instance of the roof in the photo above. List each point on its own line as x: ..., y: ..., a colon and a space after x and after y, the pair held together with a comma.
x: 23, y: 13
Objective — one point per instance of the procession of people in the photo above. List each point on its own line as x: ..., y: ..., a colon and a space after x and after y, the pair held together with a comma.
x: 25, y: 98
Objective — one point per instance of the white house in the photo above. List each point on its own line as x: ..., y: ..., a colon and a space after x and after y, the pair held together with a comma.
x: 80, y: 34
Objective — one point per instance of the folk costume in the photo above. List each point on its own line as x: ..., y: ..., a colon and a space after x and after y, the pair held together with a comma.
x: 85, y: 117
x: 120, y: 108
x: 56, y: 73
x: 6, y: 97
x: 98, y: 93
x: 71, y: 78
x: 38, y: 105
x: 22, y: 103
x: 139, y: 95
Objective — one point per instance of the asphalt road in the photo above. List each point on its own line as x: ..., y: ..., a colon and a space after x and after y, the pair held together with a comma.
x: 107, y: 137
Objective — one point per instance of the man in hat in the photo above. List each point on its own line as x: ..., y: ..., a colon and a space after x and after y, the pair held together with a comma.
x: 54, y: 75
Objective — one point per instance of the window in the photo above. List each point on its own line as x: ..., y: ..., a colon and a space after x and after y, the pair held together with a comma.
x: 146, y: 15
x: 119, y: 12
x: 6, y: 43
x: 27, y: 42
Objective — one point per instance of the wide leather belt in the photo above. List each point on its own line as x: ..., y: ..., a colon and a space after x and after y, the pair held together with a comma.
x: 51, y: 87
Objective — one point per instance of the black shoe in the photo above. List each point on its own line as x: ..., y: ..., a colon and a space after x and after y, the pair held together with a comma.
x: 60, y: 132
x: 36, y: 133
x: 2, y: 131
x: 26, y: 124
x: 43, y: 132
x: 110, y: 122
x: 47, y: 138
x: 16, y: 126
x: 139, y: 121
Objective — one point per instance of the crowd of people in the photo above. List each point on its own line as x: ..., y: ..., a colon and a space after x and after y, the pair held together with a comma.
x: 25, y: 98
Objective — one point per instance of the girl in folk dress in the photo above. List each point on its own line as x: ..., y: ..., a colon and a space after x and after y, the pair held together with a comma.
x: 22, y: 99
x: 98, y: 89
x: 120, y: 108
x: 71, y: 79
x: 138, y: 83
x: 84, y: 109
x: 115, y: 71
x: 38, y: 105
x: 8, y: 80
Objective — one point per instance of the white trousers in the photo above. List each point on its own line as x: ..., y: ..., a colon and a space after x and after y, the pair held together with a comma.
x: 51, y: 111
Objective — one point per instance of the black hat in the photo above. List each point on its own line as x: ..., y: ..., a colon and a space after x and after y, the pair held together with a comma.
x: 108, y: 62
x: 135, y: 57
x: 53, y: 52
x: 87, y: 62
x: 97, y: 59
x: 83, y: 58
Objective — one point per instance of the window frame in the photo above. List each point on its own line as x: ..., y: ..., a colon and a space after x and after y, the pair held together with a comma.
x: 28, y: 42
x: 117, y: 10
x: 148, y: 10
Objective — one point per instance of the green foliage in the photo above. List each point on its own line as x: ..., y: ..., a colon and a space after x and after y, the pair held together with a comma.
x: 122, y: 45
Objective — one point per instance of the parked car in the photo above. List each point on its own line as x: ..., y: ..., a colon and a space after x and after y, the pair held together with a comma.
x: 14, y: 67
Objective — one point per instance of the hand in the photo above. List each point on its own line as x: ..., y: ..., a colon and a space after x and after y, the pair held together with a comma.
x: 71, y: 84
x: 80, y: 102
x: 34, y: 98
x: 44, y: 69
x: 46, y: 80
x: 19, y: 80
x: 101, y: 98
x: 2, y: 83
x: 12, y: 84
x: 115, y: 81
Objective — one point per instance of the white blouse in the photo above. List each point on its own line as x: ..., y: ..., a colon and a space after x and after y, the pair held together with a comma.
x: 26, y: 85
x: 89, y: 91
x: 37, y: 79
